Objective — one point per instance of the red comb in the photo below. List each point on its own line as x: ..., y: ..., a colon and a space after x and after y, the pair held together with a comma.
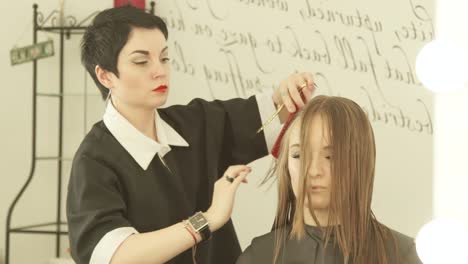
x: 276, y: 146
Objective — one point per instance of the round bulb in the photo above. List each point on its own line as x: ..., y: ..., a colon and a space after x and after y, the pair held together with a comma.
x: 442, y: 66
x: 443, y: 241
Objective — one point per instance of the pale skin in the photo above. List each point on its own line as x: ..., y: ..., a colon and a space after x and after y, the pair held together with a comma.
x: 143, y: 65
x: 319, y: 174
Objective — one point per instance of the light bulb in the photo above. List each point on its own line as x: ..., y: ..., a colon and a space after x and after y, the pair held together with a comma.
x: 443, y: 241
x: 442, y: 66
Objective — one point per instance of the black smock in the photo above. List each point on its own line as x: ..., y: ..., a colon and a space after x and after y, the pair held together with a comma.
x: 108, y: 189
x: 311, y: 249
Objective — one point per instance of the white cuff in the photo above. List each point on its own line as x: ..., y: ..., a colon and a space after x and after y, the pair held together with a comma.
x: 105, y: 249
x: 266, y: 109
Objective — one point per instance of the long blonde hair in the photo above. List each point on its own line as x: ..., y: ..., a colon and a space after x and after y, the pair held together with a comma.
x: 360, y: 237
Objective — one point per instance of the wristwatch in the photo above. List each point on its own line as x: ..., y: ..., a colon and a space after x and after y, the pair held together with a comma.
x: 199, y: 224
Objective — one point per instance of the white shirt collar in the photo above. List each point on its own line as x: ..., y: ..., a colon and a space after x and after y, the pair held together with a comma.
x: 139, y: 146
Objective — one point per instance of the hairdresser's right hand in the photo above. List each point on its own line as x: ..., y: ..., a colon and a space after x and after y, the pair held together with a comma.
x: 223, y: 196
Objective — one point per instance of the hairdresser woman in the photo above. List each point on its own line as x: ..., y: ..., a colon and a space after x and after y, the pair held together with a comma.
x: 152, y: 184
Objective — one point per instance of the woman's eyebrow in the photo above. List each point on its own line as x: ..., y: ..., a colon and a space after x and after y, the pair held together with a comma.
x: 144, y: 52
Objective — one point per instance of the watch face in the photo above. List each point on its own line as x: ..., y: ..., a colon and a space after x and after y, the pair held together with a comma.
x: 198, y: 221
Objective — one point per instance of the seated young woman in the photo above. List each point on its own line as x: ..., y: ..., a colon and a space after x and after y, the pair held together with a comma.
x: 325, y: 173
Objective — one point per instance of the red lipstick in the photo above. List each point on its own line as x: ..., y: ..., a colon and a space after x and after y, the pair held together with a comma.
x: 160, y: 89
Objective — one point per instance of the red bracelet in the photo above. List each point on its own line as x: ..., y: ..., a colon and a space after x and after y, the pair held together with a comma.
x: 194, y: 247
x: 191, y: 232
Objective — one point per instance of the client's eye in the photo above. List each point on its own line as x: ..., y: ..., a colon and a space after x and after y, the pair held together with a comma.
x: 295, y: 155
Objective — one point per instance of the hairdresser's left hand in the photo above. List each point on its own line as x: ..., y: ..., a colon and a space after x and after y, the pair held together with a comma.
x: 289, y: 92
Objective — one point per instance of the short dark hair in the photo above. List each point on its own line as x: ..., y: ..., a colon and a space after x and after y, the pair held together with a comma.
x: 108, y: 33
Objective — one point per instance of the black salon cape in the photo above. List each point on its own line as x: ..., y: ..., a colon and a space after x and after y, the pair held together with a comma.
x: 311, y: 249
x: 108, y: 189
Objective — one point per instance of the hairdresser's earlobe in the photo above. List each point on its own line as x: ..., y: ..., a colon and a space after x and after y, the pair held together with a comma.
x: 103, y: 76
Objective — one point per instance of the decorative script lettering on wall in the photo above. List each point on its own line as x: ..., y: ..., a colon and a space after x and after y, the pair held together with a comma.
x: 365, y: 52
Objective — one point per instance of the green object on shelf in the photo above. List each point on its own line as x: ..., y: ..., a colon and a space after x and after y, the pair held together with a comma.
x: 32, y: 52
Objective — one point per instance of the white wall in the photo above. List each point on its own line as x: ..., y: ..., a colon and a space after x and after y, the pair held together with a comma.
x: 38, y: 204
x: 451, y: 112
